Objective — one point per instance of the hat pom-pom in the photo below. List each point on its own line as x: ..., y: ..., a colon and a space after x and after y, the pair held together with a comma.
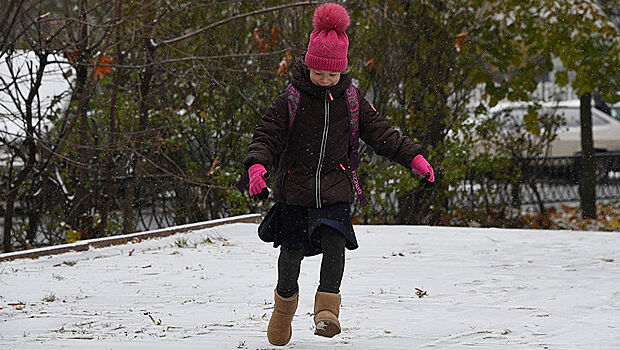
x: 331, y: 17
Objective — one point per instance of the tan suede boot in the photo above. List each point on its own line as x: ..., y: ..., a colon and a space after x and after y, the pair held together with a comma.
x: 326, y: 311
x: 279, y: 330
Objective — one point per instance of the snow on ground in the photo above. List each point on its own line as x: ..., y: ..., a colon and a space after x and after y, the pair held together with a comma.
x: 213, y: 289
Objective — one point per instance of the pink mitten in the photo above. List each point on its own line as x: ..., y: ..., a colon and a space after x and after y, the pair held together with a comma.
x: 421, y: 166
x: 257, y: 175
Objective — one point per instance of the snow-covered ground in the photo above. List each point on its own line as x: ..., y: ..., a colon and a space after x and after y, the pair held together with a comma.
x: 213, y: 289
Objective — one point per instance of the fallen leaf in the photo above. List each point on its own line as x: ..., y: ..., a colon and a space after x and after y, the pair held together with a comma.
x: 274, y: 37
x: 216, y: 161
x: 259, y: 41
x: 284, y: 64
x: 460, y: 39
x: 103, y: 66
x: 71, y: 54
x: 370, y: 64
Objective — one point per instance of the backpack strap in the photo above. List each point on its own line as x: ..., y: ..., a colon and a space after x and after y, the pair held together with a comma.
x: 292, y: 99
x: 352, y: 96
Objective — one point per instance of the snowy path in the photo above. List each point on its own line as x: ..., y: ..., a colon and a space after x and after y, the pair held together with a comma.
x: 213, y: 288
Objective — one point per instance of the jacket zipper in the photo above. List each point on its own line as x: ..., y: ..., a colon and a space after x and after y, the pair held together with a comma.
x: 322, y: 152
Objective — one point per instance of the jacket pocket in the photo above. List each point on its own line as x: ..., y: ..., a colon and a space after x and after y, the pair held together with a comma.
x: 287, y: 172
x: 285, y: 177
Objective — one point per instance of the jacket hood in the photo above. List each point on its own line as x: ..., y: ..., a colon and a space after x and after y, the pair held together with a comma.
x: 301, y: 80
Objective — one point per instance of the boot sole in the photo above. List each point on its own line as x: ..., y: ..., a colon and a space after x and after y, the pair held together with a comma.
x: 327, y: 328
x: 276, y: 343
x: 280, y: 342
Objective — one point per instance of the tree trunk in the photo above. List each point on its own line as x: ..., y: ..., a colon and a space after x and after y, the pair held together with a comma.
x: 13, y: 187
x: 8, y: 223
x: 140, y: 143
x: 109, y: 190
x: 32, y: 149
x: 34, y: 216
x: 80, y: 202
x: 587, y: 185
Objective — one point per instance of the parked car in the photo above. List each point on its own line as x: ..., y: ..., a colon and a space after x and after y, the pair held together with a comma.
x: 605, y: 131
x: 512, y: 126
x: 602, y: 105
x: 615, y: 111
x: 605, y: 128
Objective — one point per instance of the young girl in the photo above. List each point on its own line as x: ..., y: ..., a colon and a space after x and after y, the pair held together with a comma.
x: 312, y: 182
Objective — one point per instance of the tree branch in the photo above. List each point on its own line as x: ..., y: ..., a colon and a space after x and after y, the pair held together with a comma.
x: 230, y: 19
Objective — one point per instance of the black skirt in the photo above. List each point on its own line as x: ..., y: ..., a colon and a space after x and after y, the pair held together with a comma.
x: 294, y: 227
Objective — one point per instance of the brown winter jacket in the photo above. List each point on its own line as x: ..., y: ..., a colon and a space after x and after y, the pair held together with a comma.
x: 309, y: 172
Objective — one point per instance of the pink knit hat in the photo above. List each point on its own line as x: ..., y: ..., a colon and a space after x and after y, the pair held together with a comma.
x: 327, y: 49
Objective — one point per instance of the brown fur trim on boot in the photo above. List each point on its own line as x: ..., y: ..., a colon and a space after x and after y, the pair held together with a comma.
x: 326, y: 311
x: 279, y: 330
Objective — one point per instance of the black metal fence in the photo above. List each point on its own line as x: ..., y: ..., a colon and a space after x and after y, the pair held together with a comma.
x: 541, y: 180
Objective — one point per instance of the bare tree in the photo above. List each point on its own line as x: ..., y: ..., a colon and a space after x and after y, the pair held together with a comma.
x: 110, y: 152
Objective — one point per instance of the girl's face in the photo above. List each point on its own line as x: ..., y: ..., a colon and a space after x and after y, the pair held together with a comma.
x: 324, y: 78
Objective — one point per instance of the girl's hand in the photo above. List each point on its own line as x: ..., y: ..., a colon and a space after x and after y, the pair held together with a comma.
x: 258, y: 187
x: 421, y: 166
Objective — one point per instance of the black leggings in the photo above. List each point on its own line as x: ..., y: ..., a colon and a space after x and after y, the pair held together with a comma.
x: 332, y: 264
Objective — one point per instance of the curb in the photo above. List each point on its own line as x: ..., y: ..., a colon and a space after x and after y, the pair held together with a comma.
x: 122, y: 239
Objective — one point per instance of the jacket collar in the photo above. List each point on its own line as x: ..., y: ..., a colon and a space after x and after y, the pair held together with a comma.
x: 301, y: 80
